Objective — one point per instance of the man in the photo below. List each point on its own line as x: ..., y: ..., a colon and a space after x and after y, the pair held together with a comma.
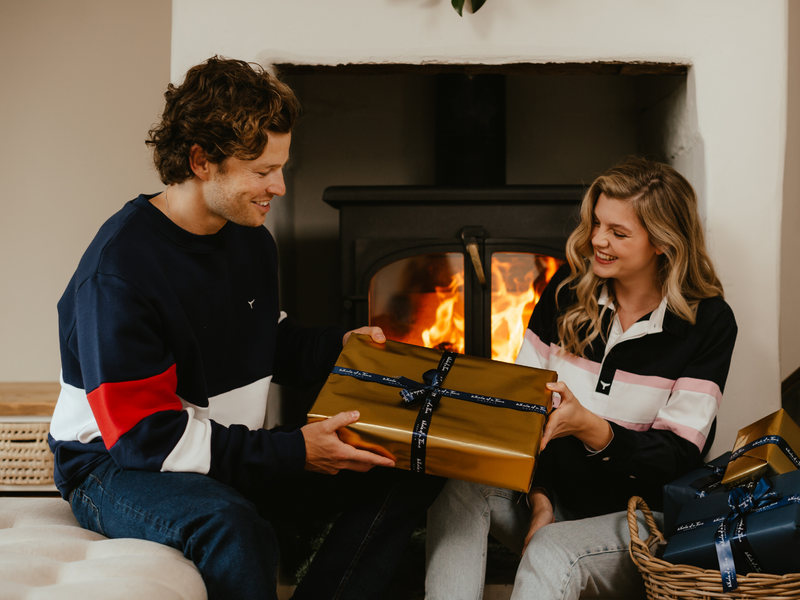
x: 170, y: 336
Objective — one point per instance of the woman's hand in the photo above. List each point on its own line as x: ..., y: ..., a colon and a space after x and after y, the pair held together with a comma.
x: 541, y: 513
x: 376, y: 333
x: 572, y: 418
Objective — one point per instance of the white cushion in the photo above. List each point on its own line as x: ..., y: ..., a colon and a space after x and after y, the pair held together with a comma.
x: 45, y: 554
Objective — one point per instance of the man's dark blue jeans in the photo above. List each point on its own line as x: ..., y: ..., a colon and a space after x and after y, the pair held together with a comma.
x: 232, y: 538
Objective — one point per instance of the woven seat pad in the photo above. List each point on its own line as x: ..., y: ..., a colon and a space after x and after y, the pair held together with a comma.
x: 45, y: 554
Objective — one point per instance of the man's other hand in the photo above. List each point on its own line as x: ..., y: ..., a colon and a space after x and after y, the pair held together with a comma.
x: 326, y: 453
x: 376, y: 333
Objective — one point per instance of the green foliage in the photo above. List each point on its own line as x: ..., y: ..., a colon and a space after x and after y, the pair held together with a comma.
x: 459, y: 5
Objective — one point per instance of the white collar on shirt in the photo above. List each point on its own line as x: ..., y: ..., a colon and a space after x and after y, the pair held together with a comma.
x: 654, y: 324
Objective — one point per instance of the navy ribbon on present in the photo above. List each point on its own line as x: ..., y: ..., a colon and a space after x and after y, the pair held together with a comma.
x: 768, y: 439
x: 743, y: 501
x: 430, y: 393
x: 706, y: 484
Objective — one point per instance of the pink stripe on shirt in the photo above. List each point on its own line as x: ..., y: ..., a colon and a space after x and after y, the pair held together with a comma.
x: 631, y: 426
x: 701, y: 386
x: 687, y: 433
x: 581, y: 363
x: 651, y: 381
x: 541, y: 348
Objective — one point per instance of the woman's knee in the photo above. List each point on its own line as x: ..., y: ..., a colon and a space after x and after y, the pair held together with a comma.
x: 463, y: 496
x: 551, y: 541
x: 571, y: 558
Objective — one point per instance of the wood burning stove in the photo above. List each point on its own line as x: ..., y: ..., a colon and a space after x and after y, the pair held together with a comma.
x: 459, y: 265
x: 451, y: 267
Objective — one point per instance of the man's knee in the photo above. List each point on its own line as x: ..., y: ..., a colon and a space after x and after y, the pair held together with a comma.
x: 233, y: 528
x: 235, y: 514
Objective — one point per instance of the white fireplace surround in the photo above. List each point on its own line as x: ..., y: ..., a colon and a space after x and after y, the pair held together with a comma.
x: 726, y: 130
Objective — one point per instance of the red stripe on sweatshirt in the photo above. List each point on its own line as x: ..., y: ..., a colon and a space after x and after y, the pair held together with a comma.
x: 117, y: 407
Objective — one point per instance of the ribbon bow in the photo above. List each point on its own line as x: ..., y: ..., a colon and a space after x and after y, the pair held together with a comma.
x: 414, y: 392
x: 429, y: 393
x: 742, y: 501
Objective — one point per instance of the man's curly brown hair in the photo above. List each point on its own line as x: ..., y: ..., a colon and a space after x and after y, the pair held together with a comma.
x: 226, y: 107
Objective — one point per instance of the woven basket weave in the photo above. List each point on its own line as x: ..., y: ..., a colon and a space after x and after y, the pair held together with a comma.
x: 665, y: 581
x: 25, y: 458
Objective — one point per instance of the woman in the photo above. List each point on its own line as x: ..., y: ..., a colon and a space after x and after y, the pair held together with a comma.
x: 636, y: 327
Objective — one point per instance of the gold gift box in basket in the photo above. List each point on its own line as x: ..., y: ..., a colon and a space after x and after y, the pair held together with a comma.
x: 764, y: 448
x: 487, y: 426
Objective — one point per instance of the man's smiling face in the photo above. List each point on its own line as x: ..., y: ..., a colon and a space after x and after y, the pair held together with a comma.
x: 240, y: 190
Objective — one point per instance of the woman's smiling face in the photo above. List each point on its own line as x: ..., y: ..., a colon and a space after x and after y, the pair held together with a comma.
x: 622, y: 247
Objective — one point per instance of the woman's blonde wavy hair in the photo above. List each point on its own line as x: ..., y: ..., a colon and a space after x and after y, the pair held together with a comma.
x: 666, y: 206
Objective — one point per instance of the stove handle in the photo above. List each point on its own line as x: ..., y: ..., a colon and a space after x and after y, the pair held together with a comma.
x: 470, y: 236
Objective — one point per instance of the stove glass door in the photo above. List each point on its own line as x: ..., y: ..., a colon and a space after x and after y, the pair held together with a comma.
x: 420, y: 300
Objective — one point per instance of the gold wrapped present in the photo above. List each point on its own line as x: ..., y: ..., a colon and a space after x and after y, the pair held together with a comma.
x: 767, y: 447
x: 440, y: 413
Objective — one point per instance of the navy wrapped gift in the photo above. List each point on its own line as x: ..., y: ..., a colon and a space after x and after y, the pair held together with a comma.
x: 699, y: 483
x: 751, y: 529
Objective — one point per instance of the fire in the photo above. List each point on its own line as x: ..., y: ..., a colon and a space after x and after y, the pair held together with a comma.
x: 518, y: 280
x: 420, y: 300
x: 447, y: 330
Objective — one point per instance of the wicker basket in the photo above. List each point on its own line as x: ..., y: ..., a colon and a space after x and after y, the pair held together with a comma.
x: 25, y: 458
x: 665, y: 581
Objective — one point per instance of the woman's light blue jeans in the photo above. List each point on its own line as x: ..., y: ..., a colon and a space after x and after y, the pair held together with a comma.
x: 569, y: 559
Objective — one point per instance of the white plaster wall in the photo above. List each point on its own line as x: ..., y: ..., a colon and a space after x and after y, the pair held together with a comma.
x: 729, y: 141
x: 790, y: 236
x: 82, y: 82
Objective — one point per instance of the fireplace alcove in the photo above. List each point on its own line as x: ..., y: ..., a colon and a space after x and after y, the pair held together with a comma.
x: 374, y: 126
x: 367, y: 137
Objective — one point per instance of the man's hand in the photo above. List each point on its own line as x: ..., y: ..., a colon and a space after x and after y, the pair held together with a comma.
x: 326, y: 453
x: 541, y: 513
x: 572, y: 418
x: 376, y: 333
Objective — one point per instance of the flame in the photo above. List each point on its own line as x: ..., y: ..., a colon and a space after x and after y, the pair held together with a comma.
x: 447, y: 330
x: 430, y: 315
x: 420, y: 301
x: 516, y: 288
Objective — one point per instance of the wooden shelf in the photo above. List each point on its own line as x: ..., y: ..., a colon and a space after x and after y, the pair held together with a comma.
x: 28, y: 399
